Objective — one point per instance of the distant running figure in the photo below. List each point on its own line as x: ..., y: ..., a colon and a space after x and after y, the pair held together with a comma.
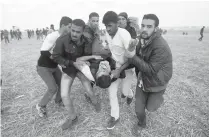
x: 201, y: 33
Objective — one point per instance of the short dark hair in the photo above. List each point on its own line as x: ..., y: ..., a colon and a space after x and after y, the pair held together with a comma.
x: 65, y: 20
x: 103, y: 81
x: 123, y: 14
x: 152, y: 17
x: 52, y: 26
x: 110, y: 16
x: 79, y: 22
x: 93, y: 14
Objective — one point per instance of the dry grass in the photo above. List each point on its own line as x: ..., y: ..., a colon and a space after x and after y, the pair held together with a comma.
x: 185, y: 112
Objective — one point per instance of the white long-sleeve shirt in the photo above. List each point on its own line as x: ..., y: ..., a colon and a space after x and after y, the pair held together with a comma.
x: 49, y: 41
x: 119, y: 45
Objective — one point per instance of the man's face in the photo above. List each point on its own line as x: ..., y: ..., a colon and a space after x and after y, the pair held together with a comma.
x: 94, y: 22
x: 122, y: 22
x: 66, y: 29
x: 111, y: 28
x: 76, y: 32
x: 147, y: 28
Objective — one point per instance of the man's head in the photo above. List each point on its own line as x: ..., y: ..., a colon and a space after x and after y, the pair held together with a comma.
x: 122, y: 19
x: 203, y: 26
x: 52, y: 27
x: 149, y: 25
x: 110, y: 20
x: 94, y: 20
x: 103, y: 78
x: 65, y: 24
x: 77, y: 28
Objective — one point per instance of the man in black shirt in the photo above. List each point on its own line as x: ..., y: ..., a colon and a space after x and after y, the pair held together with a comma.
x: 67, y: 51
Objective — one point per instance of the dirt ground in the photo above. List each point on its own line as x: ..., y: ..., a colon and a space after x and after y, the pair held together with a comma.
x: 185, y: 112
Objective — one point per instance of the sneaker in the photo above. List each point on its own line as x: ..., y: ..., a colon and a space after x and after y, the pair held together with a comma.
x: 137, y: 128
x: 123, y: 96
x: 129, y: 100
x: 41, y: 111
x: 69, y: 123
x: 112, y: 122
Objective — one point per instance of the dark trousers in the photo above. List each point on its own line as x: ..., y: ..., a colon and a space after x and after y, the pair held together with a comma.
x: 146, y: 100
x: 6, y: 39
x: 200, y: 39
x: 52, y: 78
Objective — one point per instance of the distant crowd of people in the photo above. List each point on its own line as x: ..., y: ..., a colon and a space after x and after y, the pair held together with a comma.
x: 14, y: 34
x: 7, y: 36
x: 42, y: 33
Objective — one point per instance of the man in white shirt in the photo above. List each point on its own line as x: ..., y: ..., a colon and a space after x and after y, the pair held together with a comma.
x: 48, y: 69
x: 118, y: 42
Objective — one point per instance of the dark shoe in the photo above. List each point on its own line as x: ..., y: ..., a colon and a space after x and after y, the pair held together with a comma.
x: 41, y: 111
x: 129, y: 100
x: 69, y: 123
x: 123, y: 96
x: 88, y: 99
x: 92, y: 84
x: 112, y: 122
x: 141, y: 120
x: 60, y: 103
x: 137, y: 129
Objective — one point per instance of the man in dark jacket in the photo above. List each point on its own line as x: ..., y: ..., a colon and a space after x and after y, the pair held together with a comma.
x: 153, y: 62
x: 67, y: 51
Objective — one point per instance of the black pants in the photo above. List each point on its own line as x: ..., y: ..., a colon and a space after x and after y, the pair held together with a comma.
x: 6, y: 39
x: 147, y: 100
x: 200, y: 39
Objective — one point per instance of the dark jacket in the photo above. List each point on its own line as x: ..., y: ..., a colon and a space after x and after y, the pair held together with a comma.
x: 154, y: 61
x: 132, y: 31
x: 67, y: 51
x: 94, y: 38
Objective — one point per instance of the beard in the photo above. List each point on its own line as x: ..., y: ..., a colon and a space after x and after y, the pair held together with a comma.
x: 145, y: 35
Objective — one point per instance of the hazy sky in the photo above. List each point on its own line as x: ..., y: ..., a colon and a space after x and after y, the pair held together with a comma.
x: 41, y: 13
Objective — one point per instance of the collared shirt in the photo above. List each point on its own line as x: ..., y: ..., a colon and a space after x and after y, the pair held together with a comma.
x: 66, y: 51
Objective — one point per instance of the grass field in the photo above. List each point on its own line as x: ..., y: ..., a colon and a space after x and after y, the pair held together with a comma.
x: 185, y: 112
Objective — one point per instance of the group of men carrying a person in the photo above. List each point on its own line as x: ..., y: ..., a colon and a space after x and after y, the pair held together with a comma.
x: 110, y: 61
